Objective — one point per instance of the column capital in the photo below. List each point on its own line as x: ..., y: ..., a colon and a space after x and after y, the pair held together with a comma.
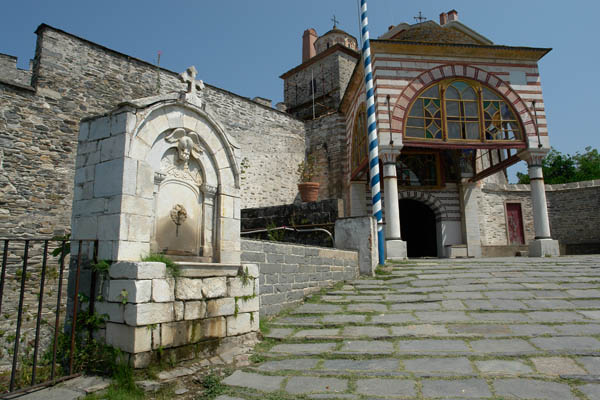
x: 533, y: 157
x: 388, y: 154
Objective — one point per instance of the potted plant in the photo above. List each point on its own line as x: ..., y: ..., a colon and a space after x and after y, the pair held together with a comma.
x: 307, y: 169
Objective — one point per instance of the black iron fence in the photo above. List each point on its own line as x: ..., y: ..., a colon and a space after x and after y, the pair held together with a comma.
x: 38, y: 315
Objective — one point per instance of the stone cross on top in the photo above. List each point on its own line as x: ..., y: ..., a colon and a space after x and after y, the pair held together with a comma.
x: 189, y: 77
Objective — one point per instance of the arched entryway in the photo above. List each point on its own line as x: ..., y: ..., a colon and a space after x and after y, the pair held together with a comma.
x: 418, y: 228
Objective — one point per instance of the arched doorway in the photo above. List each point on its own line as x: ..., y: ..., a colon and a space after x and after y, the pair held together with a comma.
x: 417, y: 226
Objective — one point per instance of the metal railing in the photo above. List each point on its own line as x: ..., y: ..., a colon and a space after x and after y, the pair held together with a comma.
x: 22, y: 261
x: 305, y: 229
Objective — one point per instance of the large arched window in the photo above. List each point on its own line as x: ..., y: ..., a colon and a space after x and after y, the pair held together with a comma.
x: 359, y: 139
x: 460, y: 109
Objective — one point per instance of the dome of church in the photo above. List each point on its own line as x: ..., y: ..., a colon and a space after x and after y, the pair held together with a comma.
x: 333, y: 37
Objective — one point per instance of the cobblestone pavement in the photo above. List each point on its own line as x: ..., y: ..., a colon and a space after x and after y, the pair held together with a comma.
x: 514, y: 328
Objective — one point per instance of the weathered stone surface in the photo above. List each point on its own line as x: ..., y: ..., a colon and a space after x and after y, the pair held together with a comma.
x: 591, y: 390
x: 455, y: 366
x: 430, y: 346
x: 128, y: 338
x: 386, y: 387
x: 254, y: 381
x: 566, y: 343
x: 557, y: 366
x: 363, y: 346
x: 188, y: 289
x: 238, y: 287
x: 461, y: 388
x: 532, y: 389
x: 129, y: 291
x: 242, y: 323
x: 114, y: 311
x: 310, y: 384
x: 163, y: 290
x: 295, y: 364
x: 194, y: 310
x: 148, y: 313
x: 138, y: 270
x: 312, y: 348
x: 503, y: 367
x: 214, y: 287
x: 218, y: 307
x: 488, y: 346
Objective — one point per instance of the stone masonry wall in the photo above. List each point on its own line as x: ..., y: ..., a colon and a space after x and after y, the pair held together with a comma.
x: 326, y: 140
x: 572, y: 210
x: 72, y: 78
x: 574, y: 214
x: 288, y: 273
x: 148, y: 311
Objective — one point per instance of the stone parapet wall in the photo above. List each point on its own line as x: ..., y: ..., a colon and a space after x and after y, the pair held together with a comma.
x: 289, y: 273
x: 149, y: 311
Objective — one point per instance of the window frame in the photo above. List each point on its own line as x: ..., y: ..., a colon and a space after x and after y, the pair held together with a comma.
x: 478, y: 88
x: 440, y: 181
x: 356, y: 162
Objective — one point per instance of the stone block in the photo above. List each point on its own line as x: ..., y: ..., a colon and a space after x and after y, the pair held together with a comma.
x: 251, y: 269
x: 163, y: 290
x: 238, y: 287
x: 85, y: 227
x: 131, y: 251
x: 113, y: 311
x: 113, y: 147
x: 139, y: 228
x: 121, y: 123
x: 174, y: 334
x: 239, y: 324
x: 138, y: 270
x: 128, y: 338
x: 144, y: 181
x: 179, y: 309
x: 99, y: 128
x: 248, y: 305
x: 109, y: 178
x: 130, y: 291
x: 208, y: 328
x: 129, y: 176
x: 219, y: 307
x: 140, y: 360
x: 544, y: 248
x: 194, y: 310
x: 148, y: 313
x: 188, y: 289
x: 214, y: 287
x: 112, y: 227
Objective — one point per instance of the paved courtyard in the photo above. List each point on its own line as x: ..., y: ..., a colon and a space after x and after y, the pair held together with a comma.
x: 514, y: 328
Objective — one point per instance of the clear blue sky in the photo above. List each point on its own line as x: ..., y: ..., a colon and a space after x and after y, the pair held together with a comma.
x: 243, y: 46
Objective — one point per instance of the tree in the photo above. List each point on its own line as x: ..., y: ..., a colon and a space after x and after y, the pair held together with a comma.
x: 563, y: 168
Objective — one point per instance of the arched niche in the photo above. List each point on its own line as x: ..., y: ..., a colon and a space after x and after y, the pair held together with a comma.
x: 193, y: 171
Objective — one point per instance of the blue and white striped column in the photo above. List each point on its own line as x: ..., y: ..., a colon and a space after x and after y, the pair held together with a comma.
x: 372, y: 131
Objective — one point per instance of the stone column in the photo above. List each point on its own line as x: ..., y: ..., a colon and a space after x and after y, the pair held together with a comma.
x: 395, y: 247
x: 542, y: 245
x: 469, y: 193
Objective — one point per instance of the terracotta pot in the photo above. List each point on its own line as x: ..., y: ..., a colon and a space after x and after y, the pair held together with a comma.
x: 309, y: 191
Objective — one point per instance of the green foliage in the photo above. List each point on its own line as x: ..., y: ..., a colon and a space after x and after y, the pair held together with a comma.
x: 276, y: 235
x: 564, y: 168
x: 58, y: 252
x: 381, y: 270
x: 101, y: 267
x: 124, y: 295
x: 212, y: 387
x: 245, y: 277
x: 308, y: 168
x: 172, y: 268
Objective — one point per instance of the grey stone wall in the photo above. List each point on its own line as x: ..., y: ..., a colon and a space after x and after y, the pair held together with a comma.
x: 572, y: 209
x: 326, y: 140
x: 288, y: 273
x: 9, y: 71
x: 73, y: 78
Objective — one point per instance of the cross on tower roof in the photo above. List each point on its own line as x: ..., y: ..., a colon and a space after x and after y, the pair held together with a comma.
x: 335, y: 21
x: 420, y: 18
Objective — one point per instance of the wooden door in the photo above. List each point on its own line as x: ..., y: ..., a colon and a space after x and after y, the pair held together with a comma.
x: 514, y: 218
